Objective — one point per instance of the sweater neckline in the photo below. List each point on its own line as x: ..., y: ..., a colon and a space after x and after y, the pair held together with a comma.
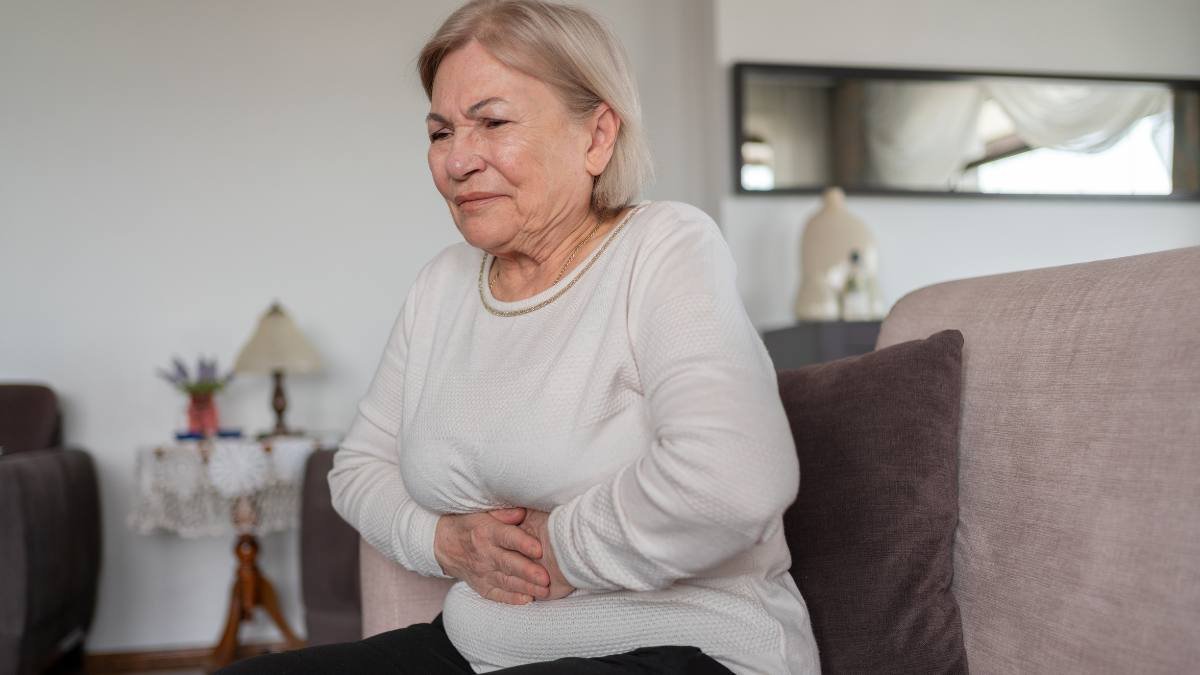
x: 568, y: 278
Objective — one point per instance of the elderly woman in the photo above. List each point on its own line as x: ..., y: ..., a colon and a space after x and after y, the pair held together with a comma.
x: 573, y: 415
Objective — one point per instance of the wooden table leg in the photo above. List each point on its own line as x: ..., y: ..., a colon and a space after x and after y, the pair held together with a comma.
x: 227, y: 647
x: 268, y: 601
x: 250, y: 589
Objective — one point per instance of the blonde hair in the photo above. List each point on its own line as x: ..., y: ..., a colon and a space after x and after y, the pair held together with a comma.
x: 577, y: 56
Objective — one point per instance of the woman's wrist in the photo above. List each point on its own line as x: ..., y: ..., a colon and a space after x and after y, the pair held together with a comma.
x: 439, y: 530
x: 552, y: 519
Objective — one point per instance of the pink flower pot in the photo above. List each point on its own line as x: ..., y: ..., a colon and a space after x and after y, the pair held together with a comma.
x: 202, y: 415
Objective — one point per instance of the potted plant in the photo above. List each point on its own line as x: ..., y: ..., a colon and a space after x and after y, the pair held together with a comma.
x: 202, y: 409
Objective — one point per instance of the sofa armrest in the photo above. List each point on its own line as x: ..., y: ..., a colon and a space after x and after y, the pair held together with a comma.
x: 394, y: 597
x: 328, y: 560
x: 50, y: 554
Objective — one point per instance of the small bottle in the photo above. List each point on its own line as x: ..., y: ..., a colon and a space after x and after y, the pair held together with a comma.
x: 854, y: 301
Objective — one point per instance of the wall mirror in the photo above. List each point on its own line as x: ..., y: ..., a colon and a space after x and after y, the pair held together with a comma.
x: 801, y: 128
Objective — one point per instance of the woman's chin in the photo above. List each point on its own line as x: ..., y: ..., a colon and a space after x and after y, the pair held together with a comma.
x: 483, y: 233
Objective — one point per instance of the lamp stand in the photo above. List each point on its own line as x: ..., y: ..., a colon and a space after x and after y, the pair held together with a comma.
x: 279, y: 402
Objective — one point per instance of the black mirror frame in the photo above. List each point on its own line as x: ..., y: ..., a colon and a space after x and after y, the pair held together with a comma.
x: 740, y: 70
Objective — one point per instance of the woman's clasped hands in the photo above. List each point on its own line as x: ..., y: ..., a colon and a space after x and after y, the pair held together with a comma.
x: 504, y: 554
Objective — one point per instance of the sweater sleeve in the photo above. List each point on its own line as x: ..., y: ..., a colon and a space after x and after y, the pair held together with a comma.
x: 365, y: 481
x: 722, y: 467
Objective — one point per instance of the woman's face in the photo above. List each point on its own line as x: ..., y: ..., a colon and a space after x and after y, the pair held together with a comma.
x: 504, y: 152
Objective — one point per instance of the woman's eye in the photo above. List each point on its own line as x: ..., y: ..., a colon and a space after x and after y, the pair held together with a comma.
x: 493, y: 123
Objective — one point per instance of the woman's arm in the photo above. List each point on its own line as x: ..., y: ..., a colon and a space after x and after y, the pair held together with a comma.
x: 365, y: 480
x: 487, y: 550
x: 722, y: 467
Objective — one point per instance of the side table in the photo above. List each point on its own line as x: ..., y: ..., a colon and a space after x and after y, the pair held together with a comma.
x: 210, y: 487
x: 817, y: 341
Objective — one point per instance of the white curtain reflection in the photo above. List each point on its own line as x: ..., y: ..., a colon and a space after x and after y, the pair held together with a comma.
x: 920, y: 135
x: 1075, y: 117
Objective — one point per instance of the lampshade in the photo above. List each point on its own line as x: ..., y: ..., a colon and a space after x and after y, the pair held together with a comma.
x: 277, y: 344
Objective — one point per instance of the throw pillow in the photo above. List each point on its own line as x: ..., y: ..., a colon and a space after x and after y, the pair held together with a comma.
x: 872, y: 529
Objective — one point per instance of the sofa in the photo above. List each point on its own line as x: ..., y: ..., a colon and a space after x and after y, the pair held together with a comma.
x: 1076, y: 543
x: 49, y: 534
x: 328, y: 560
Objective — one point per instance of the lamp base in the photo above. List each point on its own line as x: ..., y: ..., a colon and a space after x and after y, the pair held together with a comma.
x: 263, y: 435
x: 279, y: 404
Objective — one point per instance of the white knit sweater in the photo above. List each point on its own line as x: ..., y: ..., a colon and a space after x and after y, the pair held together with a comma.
x: 640, y: 409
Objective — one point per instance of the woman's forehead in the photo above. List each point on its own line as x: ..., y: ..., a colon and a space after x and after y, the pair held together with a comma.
x: 470, y: 76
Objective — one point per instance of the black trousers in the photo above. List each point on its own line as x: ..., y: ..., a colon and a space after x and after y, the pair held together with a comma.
x: 424, y: 649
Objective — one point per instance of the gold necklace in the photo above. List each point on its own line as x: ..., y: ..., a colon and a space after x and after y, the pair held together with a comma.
x: 562, y: 270
x: 587, y: 265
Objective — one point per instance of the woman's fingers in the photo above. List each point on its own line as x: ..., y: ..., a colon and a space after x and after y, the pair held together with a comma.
x: 496, y: 558
x: 512, y: 516
x: 500, y: 595
x: 514, y: 586
x: 533, y: 590
x: 516, y: 539
x: 518, y: 566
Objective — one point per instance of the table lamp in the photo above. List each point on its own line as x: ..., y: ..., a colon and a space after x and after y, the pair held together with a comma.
x: 277, y: 347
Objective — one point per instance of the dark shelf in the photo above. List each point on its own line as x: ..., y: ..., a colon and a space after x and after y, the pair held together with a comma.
x: 810, y: 342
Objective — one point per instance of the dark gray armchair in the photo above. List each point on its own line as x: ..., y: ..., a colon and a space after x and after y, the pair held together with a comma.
x: 328, y: 560
x: 49, y: 534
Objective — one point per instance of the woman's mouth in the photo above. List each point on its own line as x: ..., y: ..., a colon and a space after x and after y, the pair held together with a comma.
x: 476, y: 200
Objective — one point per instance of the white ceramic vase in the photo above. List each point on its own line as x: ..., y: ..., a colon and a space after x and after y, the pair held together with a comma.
x: 825, y: 246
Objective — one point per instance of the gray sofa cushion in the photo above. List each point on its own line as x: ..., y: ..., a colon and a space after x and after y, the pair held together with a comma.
x: 29, y: 418
x: 1078, y: 546
x: 872, y: 527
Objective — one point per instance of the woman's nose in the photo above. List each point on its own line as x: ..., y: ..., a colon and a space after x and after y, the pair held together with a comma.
x: 463, y: 158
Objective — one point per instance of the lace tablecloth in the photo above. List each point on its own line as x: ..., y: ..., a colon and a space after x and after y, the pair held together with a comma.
x: 200, y: 488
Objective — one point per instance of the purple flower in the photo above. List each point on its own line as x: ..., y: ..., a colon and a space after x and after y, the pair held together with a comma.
x: 207, y: 380
x: 173, y: 378
x: 180, y: 369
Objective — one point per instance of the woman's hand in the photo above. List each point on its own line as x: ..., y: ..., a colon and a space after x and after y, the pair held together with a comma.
x: 537, y: 523
x: 494, y: 556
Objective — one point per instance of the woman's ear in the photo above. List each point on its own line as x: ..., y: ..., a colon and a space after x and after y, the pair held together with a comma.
x: 604, y: 125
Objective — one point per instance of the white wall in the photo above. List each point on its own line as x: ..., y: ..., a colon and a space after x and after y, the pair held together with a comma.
x: 1099, y: 36
x: 170, y: 167
x: 925, y: 240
